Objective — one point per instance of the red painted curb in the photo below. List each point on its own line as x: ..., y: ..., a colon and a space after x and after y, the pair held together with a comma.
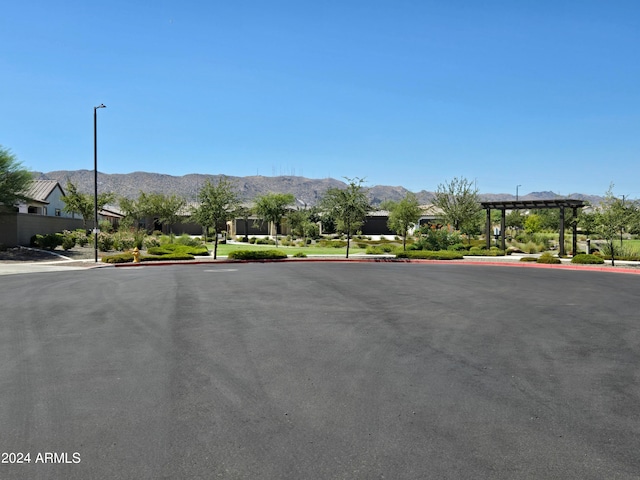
x: 592, y: 268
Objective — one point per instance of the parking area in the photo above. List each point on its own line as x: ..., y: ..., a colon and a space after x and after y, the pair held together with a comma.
x: 313, y: 370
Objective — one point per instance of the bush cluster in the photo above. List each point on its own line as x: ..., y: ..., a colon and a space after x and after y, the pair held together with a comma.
x: 257, y: 254
x: 47, y: 242
x: 178, y: 248
x: 332, y: 243
x: 435, y: 240
x: 430, y: 255
x: 528, y: 259
x: 119, y: 258
x: 584, y: 258
x: 483, y: 252
x: 380, y: 249
x: 169, y: 256
x: 549, y: 259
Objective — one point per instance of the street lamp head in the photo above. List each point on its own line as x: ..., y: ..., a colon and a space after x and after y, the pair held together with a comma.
x: 102, y: 105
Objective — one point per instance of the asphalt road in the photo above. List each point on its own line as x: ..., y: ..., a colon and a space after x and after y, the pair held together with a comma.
x: 320, y: 371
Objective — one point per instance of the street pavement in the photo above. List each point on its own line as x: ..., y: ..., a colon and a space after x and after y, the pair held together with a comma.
x: 320, y: 370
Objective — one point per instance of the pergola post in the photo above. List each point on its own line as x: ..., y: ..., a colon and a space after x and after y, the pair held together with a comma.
x: 574, y: 244
x: 503, y: 244
x: 561, y: 241
x: 487, y: 232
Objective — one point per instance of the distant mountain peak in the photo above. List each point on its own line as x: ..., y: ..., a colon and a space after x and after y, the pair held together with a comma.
x: 307, y: 191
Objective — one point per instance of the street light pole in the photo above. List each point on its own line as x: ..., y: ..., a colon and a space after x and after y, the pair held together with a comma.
x: 95, y: 180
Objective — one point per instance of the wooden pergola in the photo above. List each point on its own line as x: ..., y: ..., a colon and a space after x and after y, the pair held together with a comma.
x: 503, y: 206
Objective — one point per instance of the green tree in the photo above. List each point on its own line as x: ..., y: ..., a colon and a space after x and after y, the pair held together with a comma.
x: 297, y: 219
x: 83, y: 204
x: 634, y: 220
x: 610, y: 219
x: 460, y: 204
x: 533, y: 223
x: 348, y: 206
x: 514, y: 219
x: 244, y: 212
x: 14, y: 179
x: 272, y: 207
x: 169, y: 209
x: 218, y: 204
x: 403, y: 215
x: 132, y: 212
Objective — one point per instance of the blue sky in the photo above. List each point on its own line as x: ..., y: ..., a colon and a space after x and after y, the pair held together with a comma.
x: 542, y: 94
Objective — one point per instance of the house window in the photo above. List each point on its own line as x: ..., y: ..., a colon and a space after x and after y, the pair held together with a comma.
x: 58, y: 212
x: 32, y: 209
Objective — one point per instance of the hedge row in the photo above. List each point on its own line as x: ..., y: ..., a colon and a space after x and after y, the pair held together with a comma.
x: 430, y: 255
x: 177, y: 248
x: 257, y: 254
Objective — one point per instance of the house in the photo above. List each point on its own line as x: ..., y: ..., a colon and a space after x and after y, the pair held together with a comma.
x: 41, y: 213
x: 375, y: 222
x: 44, y: 197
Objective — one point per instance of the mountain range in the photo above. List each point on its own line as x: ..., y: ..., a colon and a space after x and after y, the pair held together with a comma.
x: 306, y: 190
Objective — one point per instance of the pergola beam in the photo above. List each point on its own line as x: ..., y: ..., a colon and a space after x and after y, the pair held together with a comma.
x: 560, y: 203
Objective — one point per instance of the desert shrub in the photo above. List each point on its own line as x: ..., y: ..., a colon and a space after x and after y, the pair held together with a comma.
x: 105, y: 226
x: 105, y: 242
x: 361, y: 245
x: 531, y: 247
x: 81, y: 237
x: 120, y: 258
x: 529, y: 259
x: 483, y: 252
x: 333, y: 243
x: 459, y: 247
x: 257, y: 254
x: 548, y: 258
x: 584, y: 258
x: 150, y: 242
x: 158, y: 251
x: 430, y: 255
x: 300, y: 255
x: 47, y: 242
x: 185, y: 239
x: 170, y: 256
x: 123, y: 241
x: 624, y: 252
x: 265, y: 241
x: 177, y: 248
x: 68, y: 242
x: 435, y: 240
x: 380, y: 249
